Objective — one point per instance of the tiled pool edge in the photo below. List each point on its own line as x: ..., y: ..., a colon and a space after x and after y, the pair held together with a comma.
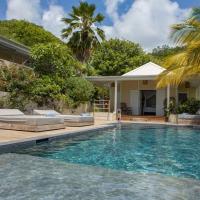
x: 161, y: 123
x: 7, y: 147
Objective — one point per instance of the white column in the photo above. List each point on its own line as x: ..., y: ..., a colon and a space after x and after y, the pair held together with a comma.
x: 168, y: 95
x: 115, y: 102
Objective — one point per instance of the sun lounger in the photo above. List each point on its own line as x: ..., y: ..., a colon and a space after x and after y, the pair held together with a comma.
x: 14, y: 119
x: 70, y: 120
x: 189, y: 119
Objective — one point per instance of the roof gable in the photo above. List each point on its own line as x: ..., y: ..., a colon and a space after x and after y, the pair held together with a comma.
x: 148, y: 69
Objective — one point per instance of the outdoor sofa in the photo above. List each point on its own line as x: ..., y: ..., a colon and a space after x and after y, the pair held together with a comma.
x: 69, y: 120
x: 14, y: 119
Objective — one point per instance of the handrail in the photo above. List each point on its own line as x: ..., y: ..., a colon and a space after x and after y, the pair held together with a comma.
x: 102, y: 105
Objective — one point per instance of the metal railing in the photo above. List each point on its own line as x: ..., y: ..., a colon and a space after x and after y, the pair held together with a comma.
x: 102, y: 106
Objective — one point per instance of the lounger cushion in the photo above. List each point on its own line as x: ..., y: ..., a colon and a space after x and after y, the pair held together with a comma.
x: 11, y: 112
x: 46, y: 112
x: 78, y: 118
x: 188, y: 116
x: 32, y: 120
x: 74, y: 118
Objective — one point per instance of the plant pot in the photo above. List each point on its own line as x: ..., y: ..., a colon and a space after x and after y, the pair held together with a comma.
x: 166, y: 118
x: 173, y: 118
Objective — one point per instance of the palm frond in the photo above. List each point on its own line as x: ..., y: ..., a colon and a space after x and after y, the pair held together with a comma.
x: 101, y: 33
x: 99, y: 18
x: 66, y: 32
x: 177, y: 76
x: 185, y: 64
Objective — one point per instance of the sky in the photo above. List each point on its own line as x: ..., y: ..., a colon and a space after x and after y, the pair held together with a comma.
x: 146, y: 22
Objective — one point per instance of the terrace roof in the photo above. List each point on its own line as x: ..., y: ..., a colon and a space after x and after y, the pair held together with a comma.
x: 4, y: 42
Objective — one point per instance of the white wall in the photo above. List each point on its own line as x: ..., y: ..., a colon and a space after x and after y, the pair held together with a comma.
x: 135, y: 101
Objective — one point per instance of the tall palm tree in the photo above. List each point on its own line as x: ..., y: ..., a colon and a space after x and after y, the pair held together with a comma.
x: 82, y: 33
x: 185, y: 64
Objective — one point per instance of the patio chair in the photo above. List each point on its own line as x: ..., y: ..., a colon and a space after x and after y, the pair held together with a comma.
x: 69, y: 120
x: 14, y: 119
x: 125, y: 110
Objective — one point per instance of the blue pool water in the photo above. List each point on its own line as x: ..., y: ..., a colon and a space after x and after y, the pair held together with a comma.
x: 173, y: 151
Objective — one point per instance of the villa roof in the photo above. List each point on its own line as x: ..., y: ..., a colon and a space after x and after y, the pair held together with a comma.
x: 148, y: 69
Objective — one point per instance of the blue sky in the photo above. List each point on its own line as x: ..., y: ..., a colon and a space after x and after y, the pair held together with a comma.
x: 144, y: 21
x: 100, y: 4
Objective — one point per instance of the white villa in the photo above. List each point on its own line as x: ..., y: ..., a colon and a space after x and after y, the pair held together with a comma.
x: 136, y: 90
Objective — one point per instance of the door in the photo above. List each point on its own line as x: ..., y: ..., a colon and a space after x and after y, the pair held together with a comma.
x: 135, y: 101
x: 148, y: 102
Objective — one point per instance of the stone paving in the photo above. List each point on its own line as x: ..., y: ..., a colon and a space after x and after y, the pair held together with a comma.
x: 10, y: 136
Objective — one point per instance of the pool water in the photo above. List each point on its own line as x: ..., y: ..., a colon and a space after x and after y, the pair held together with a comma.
x: 25, y: 177
x: 172, y: 151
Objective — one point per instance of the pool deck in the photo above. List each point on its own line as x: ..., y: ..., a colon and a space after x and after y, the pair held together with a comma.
x: 12, y: 136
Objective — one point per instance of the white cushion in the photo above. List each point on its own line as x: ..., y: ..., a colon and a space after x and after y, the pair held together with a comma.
x: 11, y: 112
x: 33, y: 120
x: 46, y: 112
x: 78, y: 118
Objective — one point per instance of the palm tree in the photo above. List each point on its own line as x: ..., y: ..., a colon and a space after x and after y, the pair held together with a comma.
x: 82, y: 33
x: 185, y: 64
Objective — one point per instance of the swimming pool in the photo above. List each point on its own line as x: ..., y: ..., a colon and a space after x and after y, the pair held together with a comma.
x: 168, y: 150
x: 131, y: 161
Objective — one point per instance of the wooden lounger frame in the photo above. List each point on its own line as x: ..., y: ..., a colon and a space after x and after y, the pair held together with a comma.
x: 20, y: 126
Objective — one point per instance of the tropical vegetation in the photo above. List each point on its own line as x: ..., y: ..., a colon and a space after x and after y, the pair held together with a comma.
x: 82, y: 32
x: 26, y: 33
x: 116, y: 57
x: 51, y: 82
x: 186, y: 63
x: 160, y: 54
x: 190, y: 106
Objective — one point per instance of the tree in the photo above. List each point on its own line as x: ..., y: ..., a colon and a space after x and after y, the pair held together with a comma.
x: 26, y: 33
x: 185, y: 64
x: 160, y: 54
x: 116, y: 57
x: 82, y: 32
x: 54, y: 59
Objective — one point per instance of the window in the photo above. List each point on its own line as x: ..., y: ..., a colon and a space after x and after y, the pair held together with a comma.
x: 182, y: 97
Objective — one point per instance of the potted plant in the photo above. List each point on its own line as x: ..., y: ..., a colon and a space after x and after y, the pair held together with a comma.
x: 171, y: 114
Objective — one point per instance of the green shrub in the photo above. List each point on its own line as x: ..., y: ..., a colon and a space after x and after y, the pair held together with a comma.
x: 79, y: 90
x: 190, y: 106
x: 53, y: 59
x: 46, y: 92
x: 172, y: 106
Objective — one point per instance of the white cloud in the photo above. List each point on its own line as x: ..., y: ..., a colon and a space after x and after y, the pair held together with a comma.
x: 51, y: 19
x: 146, y: 22
x: 24, y: 9
x: 112, y: 6
x: 31, y: 10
